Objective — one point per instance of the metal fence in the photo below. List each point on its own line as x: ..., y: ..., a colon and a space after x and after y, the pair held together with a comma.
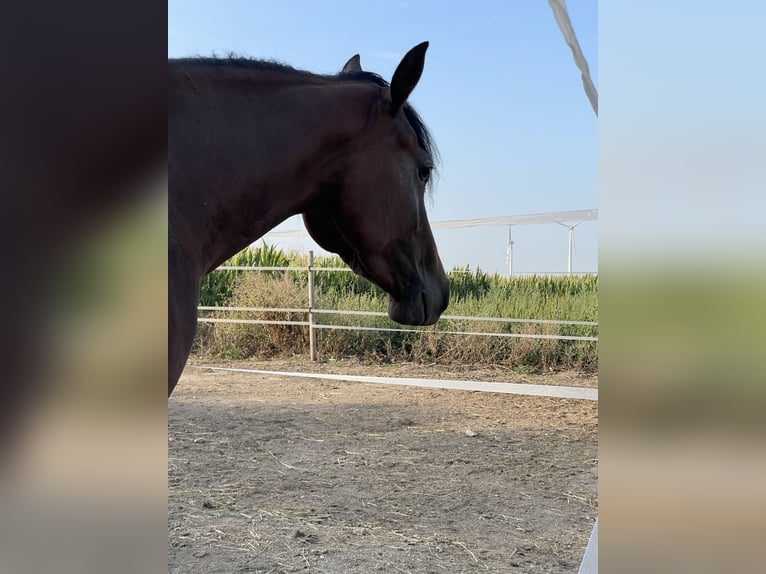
x: 311, y: 312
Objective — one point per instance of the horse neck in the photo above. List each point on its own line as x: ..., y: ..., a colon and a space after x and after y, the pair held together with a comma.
x: 256, y: 158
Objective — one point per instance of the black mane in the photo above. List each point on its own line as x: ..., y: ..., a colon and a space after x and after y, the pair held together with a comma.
x: 238, y: 62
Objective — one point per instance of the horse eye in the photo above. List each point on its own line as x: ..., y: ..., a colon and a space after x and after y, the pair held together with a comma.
x: 424, y: 173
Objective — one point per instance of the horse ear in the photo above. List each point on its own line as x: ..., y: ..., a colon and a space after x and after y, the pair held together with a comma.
x: 407, y: 75
x: 353, y: 65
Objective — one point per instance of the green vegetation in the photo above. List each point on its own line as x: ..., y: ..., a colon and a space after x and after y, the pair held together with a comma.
x: 218, y: 287
x: 473, y: 293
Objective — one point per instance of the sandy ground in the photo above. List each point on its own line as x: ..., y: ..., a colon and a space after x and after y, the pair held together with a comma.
x: 269, y: 474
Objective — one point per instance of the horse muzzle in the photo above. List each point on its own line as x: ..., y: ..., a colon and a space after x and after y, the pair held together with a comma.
x: 421, y: 307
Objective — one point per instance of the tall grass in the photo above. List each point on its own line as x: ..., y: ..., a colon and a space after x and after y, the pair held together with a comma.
x: 217, y: 288
x: 472, y: 294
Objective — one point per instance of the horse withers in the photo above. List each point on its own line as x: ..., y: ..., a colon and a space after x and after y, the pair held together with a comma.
x: 252, y: 143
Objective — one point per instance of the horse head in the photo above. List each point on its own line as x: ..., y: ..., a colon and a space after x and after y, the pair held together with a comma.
x: 372, y: 208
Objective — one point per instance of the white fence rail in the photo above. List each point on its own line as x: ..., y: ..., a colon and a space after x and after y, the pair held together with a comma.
x: 311, y: 311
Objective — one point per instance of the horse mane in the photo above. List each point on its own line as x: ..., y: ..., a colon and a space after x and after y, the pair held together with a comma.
x: 238, y: 62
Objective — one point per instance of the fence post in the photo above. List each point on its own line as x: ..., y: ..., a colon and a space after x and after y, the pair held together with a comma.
x: 312, y: 332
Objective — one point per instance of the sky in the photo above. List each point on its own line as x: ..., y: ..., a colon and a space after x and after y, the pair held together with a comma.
x: 682, y: 133
x: 500, y: 93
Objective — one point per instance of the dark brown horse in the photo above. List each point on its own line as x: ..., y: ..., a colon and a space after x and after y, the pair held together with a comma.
x: 252, y: 143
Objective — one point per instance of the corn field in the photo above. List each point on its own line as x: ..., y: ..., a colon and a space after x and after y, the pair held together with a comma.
x: 473, y: 293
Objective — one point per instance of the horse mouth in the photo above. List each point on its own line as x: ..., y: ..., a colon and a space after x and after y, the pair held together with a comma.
x: 415, y: 311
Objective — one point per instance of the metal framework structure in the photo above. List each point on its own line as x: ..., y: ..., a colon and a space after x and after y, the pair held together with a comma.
x: 568, y: 219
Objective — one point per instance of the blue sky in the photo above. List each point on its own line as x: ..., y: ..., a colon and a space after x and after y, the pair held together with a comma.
x: 682, y: 131
x: 500, y: 93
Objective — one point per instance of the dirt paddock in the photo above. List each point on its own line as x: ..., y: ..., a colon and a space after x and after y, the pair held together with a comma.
x: 270, y: 475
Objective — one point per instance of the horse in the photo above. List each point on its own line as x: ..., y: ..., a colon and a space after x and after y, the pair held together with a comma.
x: 254, y: 142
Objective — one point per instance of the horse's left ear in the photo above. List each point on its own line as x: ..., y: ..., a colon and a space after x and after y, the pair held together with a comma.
x: 353, y: 64
x: 407, y: 75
